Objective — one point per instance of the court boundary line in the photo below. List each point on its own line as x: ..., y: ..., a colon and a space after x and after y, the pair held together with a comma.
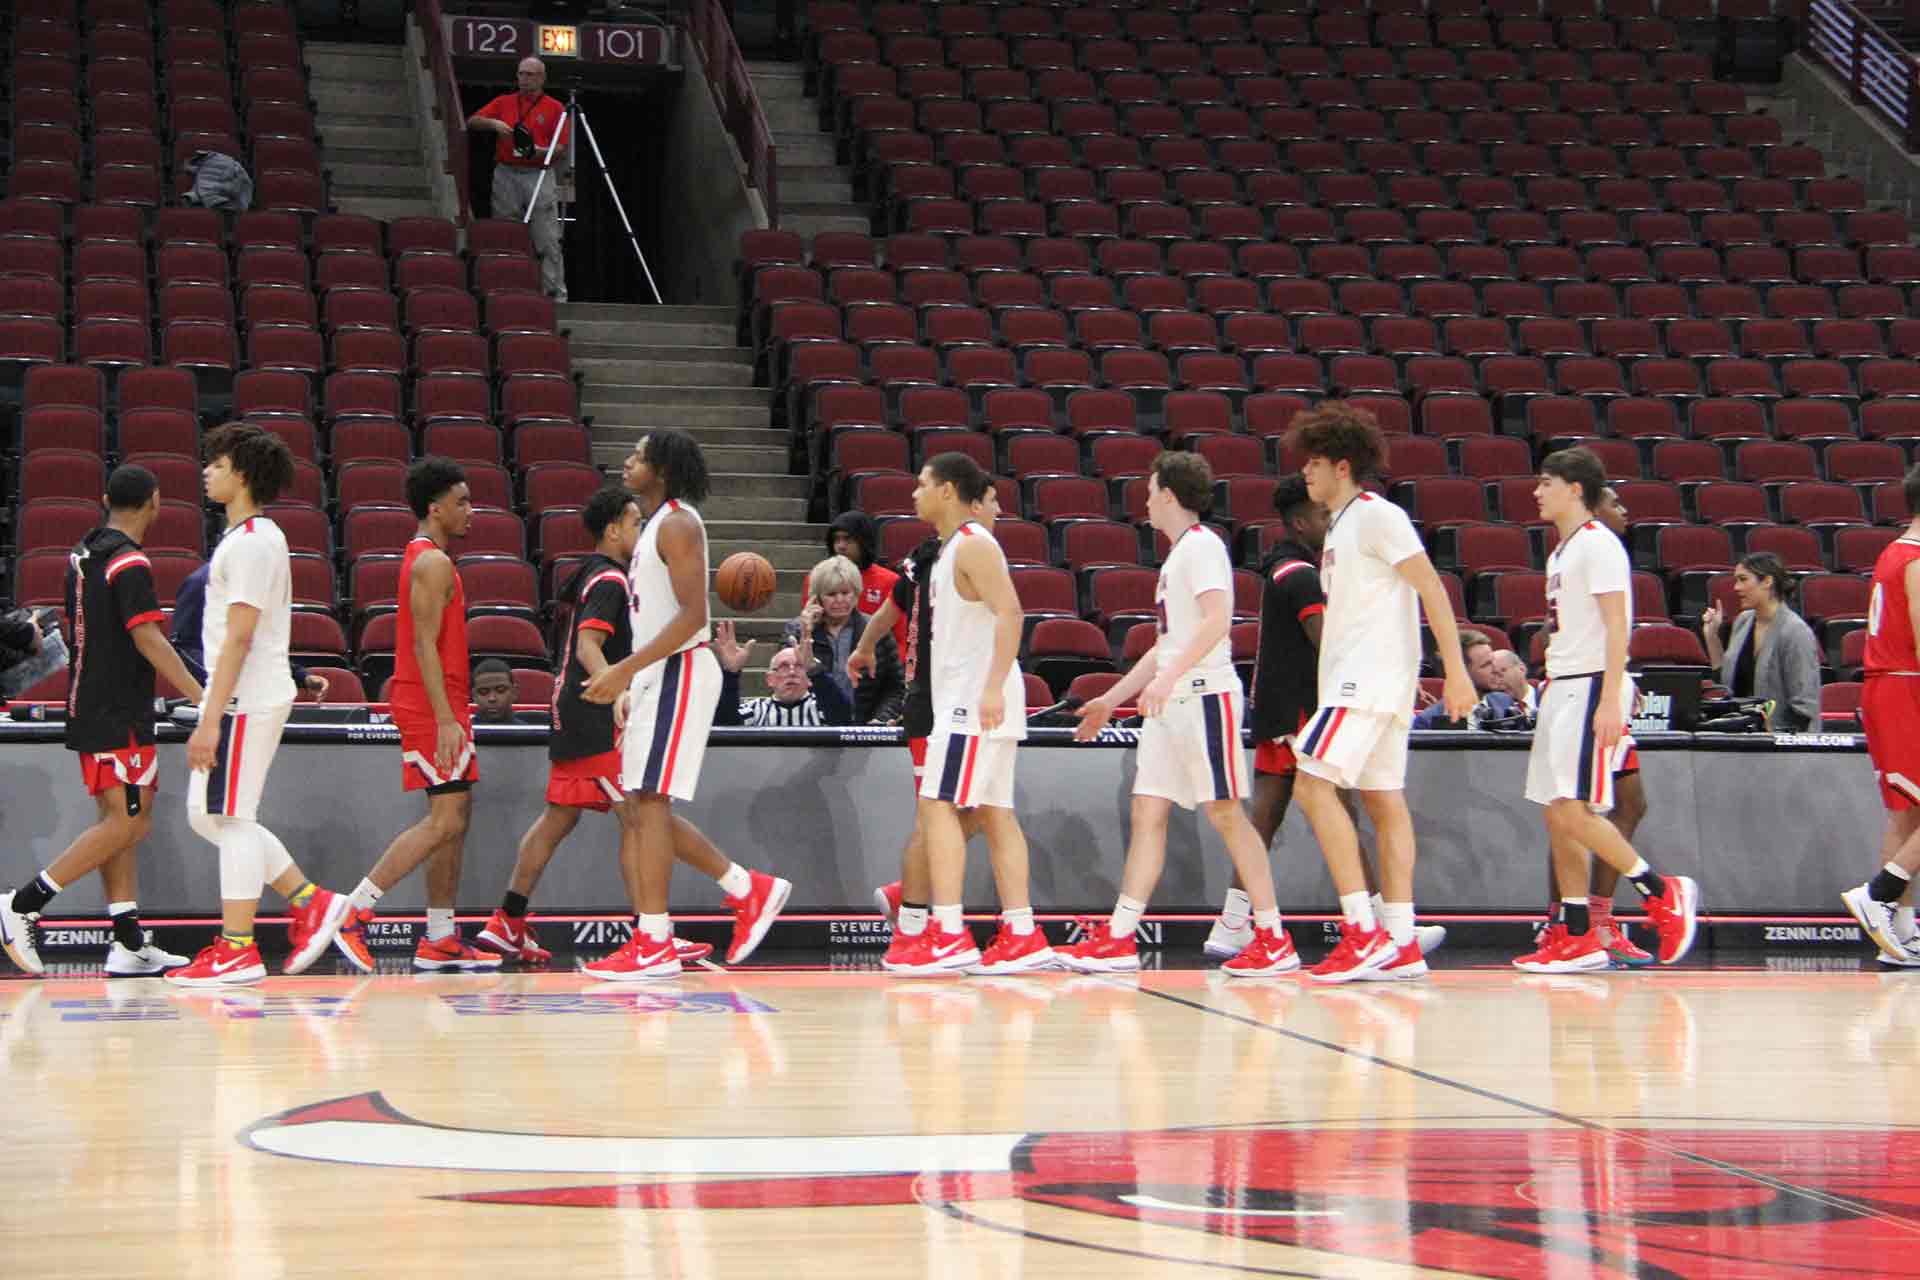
x: 1547, y: 1113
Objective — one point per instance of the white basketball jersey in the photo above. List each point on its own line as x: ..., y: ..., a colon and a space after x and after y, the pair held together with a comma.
x: 1590, y: 562
x: 651, y: 603
x: 1197, y: 564
x: 963, y: 649
x: 250, y: 567
x: 1370, y: 639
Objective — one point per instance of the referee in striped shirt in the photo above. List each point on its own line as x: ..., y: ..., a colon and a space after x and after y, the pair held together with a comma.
x: 796, y: 701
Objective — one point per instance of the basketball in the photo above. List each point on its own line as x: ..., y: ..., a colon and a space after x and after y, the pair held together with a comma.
x: 745, y: 581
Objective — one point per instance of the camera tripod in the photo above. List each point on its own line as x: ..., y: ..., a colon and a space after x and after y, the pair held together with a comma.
x: 576, y: 118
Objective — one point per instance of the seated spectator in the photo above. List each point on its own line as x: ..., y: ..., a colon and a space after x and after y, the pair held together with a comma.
x: 1512, y: 702
x: 1772, y: 652
x: 1478, y: 651
x: 493, y: 692
x: 826, y: 632
x: 27, y: 654
x: 189, y: 610
x: 795, y: 699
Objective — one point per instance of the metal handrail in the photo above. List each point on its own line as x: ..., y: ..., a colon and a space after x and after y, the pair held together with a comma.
x: 446, y: 87
x: 1879, y: 73
x: 734, y: 97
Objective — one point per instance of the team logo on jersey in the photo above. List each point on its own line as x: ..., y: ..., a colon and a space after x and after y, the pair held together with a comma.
x: 1673, y: 1199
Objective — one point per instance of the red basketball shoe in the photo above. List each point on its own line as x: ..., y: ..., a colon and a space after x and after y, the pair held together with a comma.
x: 689, y: 952
x: 1271, y: 952
x: 451, y: 954
x: 754, y: 913
x: 1564, y: 952
x: 1408, y: 962
x: 513, y: 938
x: 887, y: 897
x: 1098, y: 951
x: 313, y: 927
x: 641, y: 959
x: 1357, y: 955
x: 931, y: 954
x: 1011, y: 952
x: 1675, y: 915
x: 1620, y: 948
x: 351, y: 941
x: 221, y: 965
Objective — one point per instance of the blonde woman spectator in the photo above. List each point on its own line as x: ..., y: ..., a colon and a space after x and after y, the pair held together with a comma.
x: 827, y: 631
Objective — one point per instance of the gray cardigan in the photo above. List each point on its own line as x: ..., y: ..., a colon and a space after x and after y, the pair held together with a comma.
x: 1787, y: 670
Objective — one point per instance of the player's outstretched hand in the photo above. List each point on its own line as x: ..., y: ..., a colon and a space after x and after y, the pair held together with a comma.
x: 448, y: 739
x: 604, y: 688
x: 1094, y: 716
x: 727, y: 648
x: 993, y: 710
x: 860, y: 663
x: 203, y: 744
x: 1459, y: 695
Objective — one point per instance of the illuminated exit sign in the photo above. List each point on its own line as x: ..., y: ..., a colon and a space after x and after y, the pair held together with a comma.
x: 559, y: 42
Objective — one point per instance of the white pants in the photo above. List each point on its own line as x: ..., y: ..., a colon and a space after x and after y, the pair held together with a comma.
x: 668, y: 722
x: 1191, y: 754
x: 1355, y: 750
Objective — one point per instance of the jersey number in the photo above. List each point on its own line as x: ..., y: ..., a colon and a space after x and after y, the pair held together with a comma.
x: 1874, y: 603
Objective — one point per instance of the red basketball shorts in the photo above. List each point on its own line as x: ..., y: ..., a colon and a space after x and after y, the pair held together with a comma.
x: 591, y: 782
x: 129, y: 766
x: 419, y: 742
x: 1890, y: 712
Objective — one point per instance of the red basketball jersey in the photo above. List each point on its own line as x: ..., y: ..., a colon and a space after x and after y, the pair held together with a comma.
x: 408, y: 694
x: 1890, y: 644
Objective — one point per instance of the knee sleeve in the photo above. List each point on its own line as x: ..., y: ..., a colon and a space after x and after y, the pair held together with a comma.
x: 242, y: 860
x: 204, y: 824
x: 275, y: 855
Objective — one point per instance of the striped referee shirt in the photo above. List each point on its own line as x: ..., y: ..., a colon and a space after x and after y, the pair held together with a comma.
x: 768, y: 713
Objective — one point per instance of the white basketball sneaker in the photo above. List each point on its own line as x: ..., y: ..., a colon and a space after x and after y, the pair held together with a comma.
x: 149, y: 961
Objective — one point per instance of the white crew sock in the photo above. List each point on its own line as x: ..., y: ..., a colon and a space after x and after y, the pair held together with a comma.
x: 365, y: 895
x: 1235, y: 912
x: 1357, y: 910
x: 1126, y: 916
x: 1019, y: 920
x: 913, y: 922
x: 735, y: 881
x: 439, y: 923
x: 947, y: 917
x: 1398, y: 919
x: 658, y: 928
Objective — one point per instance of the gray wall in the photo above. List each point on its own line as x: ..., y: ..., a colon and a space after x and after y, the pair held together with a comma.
x: 706, y: 203
x: 1764, y: 829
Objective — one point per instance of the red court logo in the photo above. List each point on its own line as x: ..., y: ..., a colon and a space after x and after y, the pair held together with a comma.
x: 1757, y: 1203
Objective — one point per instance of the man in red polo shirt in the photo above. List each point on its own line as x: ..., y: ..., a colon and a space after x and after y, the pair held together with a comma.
x: 526, y: 121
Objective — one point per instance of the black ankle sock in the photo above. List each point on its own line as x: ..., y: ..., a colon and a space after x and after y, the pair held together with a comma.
x: 1884, y: 887
x: 33, y: 896
x: 1650, y: 883
x: 1577, y: 918
x: 514, y: 904
x: 126, y: 930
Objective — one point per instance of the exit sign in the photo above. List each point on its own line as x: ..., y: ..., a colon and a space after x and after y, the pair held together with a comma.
x: 559, y: 42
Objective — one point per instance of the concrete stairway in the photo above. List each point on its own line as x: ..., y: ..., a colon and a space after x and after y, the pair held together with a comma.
x: 369, y: 136
x: 816, y: 194
x: 1844, y: 143
x: 648, y: 368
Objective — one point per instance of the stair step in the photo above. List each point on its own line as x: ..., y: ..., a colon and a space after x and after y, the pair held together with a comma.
x: 348, y: 138
x: 632, y: 312
x: 702, y: 396
x: 774, y: 614
x: 752, y: 532
x: 797, y: 197
x: 661, y: 373
x: 345, y: 117
x: 661, y: 353
x: 779, y: 511
x: 385, y: 208
x: 810, y: 148
x: 806, y: 226
x: 640, y: 419
x: 757, y: 485
x: 748, y: 461
x: 648, y: 333
x: 615, y: 433
x: 800, y: 556
x: 353, y: 176
x: 404, y: 154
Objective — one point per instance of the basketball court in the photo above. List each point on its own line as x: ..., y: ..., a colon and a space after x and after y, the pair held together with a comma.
x: 793, y: 1119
